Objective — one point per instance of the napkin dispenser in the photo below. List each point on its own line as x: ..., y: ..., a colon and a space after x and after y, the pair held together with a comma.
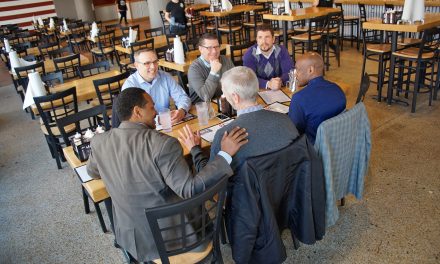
x: 81, y: 148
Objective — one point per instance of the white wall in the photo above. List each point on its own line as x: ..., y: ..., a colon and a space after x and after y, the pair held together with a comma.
x: 65, y: 8
x: 105, y: 13
x: 154, y: 6
x: 84, y: 10
x: 139, y: 9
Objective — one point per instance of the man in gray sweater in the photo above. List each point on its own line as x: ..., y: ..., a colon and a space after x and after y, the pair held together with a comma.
x: 205, y: 72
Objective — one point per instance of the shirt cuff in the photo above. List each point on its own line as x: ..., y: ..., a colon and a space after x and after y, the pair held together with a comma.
x: 267, y: 84
x: 226, y: 156
x: 215, y: 74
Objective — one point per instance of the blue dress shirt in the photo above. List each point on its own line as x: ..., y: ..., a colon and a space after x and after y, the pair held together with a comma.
x: 160, y: 89
x: 315, y: 103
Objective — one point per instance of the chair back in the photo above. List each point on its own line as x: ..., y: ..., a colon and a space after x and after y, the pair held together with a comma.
x: 108, y: 88
x: 21, y: 48
x: 140, y: 45
x: 126, y: 31
x: 55, y: 106
x: 105, y: 39
x: 153, y: 32
x: 334, y: 22
x: 22, y: 72
x: 48, y: 46
x: 60, y: 52
x: 430, y: 43
x: 210, y: 205
x: 68, y: 65
x: 112, y: 27
x: 238, y: 51
x: 93, y: 69
x: 95, y: 116
x: 362, y: 13
x: 365, y: 84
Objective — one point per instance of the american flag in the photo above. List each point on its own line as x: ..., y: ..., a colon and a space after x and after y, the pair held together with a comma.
x: 21, y: 11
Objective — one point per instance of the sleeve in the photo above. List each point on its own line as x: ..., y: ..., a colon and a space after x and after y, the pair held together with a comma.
x: 176, y: 92
x: 115, y: 118
x: 92, y: 165
x: 178, y: 176
x: 286, y: 64
x: 296, y: 114
x: 199, y: 158
x: 168, y: 7
x: 216, y: 143
x: 250, y: 62
x: 129, y: 83
x: 205, y: 88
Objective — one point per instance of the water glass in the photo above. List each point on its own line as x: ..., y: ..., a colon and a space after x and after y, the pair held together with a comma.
x: 202, y: 113
x: 165, y: 119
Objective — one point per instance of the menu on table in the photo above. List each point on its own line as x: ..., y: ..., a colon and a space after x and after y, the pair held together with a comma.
x: 209, y: 132
x: 277, y: 107
x: 270, y: 97
x: 82, y: 173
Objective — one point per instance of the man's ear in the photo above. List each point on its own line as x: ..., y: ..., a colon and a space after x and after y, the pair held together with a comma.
x: 311, y: 69
x: 235, y: 98
x: 135, y: 112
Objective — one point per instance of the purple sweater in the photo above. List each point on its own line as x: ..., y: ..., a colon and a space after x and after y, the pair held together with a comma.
x: 278, y: 65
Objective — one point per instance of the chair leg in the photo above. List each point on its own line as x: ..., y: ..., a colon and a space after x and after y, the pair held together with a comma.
x: 101, y: 219
x: 416, y: 90
x: 85, y: 200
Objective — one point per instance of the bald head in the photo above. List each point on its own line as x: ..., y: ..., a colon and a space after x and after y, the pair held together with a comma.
x: 309, y: 66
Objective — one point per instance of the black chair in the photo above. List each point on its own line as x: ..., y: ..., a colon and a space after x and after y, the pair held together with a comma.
x: 153, y: 32
x: 312, y: 39
x: 373, y: 36
x: 104, y: 46
x: 331, y: 32
x: 94, y: 116
x: 140, y: 45
x: 48, y: 46
x: 233, y: 28
x: 126, y: 31
x: 112, y: 27
x: 107, y: 88
x: 93, y: 69
x: 21, y: 48
x: 365, y: 84
x: 52, y: 79
x: 78, y: 41
x: 210, y: 205
x: 165, y: 23
x: 352, y: 22
x: 51, y: 108
x: 57, y: 53
x: 254, y: 21
x: 238, y: 51
x: 68, y: 65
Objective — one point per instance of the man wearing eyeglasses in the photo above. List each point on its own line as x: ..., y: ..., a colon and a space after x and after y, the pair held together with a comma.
x: 269, y: 61
x: 158, y: 84
x: 204, y: 73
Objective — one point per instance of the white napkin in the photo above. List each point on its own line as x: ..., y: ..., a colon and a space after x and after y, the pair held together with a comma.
x: 34, y: 20
x: 65, y: 27
x: 17, y: 61
x: 179, y: 56
x: 35, y: 88
x: 51, y: 23
x: 407, y: 10
x: 40, y: 22
x: 7, y: 45
x: 287, y: 6
x: 94, y: 31
x: 226, y: 5
x: 418, y: 11
x: 132, y: 34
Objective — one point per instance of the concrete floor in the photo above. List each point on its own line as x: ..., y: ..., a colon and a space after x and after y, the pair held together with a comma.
x: 42, y: 219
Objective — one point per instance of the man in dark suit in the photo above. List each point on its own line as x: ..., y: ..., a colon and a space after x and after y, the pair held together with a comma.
x: 143, y: 168
x: 268, y: 131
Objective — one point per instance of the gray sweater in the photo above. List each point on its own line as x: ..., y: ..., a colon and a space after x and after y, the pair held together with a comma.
x: 204, y: 85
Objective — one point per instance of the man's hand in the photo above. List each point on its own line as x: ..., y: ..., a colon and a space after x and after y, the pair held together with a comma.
x: 189, y: 138
x: 275, y: 83
x: 216, y: 66
x: 232, y: 141
x: 177, y: 115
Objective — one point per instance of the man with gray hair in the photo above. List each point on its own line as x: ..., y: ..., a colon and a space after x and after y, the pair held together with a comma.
x: 268, y: 131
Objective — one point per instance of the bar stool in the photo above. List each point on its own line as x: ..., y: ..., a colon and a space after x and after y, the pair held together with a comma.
x: 380, y: 53
x: 370, y: 35
x: 352, y: 22
x: 418, y: 60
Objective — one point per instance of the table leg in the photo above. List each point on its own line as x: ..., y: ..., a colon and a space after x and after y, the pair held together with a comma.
x: 218, y: 32
x: 285, y: 23
x: 392, y: 66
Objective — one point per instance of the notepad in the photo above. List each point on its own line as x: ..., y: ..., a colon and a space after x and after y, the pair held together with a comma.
x: 82, y: 173
x: 277, y: 107
x: 270, y: 97
x: 209, y: 132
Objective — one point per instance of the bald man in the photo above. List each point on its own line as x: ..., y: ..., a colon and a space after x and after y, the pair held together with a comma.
x: 318, y: 101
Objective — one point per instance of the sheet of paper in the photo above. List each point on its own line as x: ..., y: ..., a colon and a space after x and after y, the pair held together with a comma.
x: 185, y: 119
x: 270, y: 97
x: 277, y: 107
x: 209, y: 132
x: 82, y: 173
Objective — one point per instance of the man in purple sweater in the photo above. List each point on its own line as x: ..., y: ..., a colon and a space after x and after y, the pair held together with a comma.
x: 269, y: 61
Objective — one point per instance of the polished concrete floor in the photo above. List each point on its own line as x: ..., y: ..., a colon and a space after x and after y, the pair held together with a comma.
x: 42, y: 219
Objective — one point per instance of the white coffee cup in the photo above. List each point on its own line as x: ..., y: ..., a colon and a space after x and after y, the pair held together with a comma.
x: 202, y: 113
x: 165, y: 119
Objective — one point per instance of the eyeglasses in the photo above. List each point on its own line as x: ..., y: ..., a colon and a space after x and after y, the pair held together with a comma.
x: 211, y: 48
x: 148, y: 63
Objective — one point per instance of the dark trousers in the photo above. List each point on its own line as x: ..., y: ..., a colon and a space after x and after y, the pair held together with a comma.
x: 123, y: 16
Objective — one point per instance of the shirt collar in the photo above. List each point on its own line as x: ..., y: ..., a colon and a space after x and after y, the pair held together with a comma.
x: 249, y: 109
x: 205, y: 62
x: 142, y: 80
x: 258, y: 52
x: 316, y: 79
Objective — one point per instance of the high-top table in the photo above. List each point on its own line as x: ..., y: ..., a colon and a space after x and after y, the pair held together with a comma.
x: 235, y: 9
x: 431, y: 21
x: 300, y: 14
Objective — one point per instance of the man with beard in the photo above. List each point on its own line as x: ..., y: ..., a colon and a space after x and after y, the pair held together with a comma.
x: 270, y: 62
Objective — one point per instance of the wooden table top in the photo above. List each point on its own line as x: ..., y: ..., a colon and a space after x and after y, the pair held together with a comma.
x: 235, y: 9
x: 197, y: 7
x: 282, y: 1
x: 49, y: 65
x: 383, y: 2
x: 159, y: 41
x: 431, y: 21
x: 302, y: 13
x: 190, y: 57
x: 84, y: 87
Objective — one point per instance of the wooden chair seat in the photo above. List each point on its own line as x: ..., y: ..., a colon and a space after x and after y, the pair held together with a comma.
x: 226, y: 29
x: 125, y: 61
x: 106, y: 50
x: 379, y: 48
x: 78, y: 41
x: 413, y: 53
x: 250, y: 24
x: 348, y: 18
x: 56, y: 131
x: 305, y: 37
x: 301, y: 29
x: 188, y: 257
x: 96, y: 190
x: 409, y: 42
x: 195, y: 22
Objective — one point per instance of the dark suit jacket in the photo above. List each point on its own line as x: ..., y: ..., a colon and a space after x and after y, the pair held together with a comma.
x: 271, y: 192
x: 143, y: 168
x: 268, y: 132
